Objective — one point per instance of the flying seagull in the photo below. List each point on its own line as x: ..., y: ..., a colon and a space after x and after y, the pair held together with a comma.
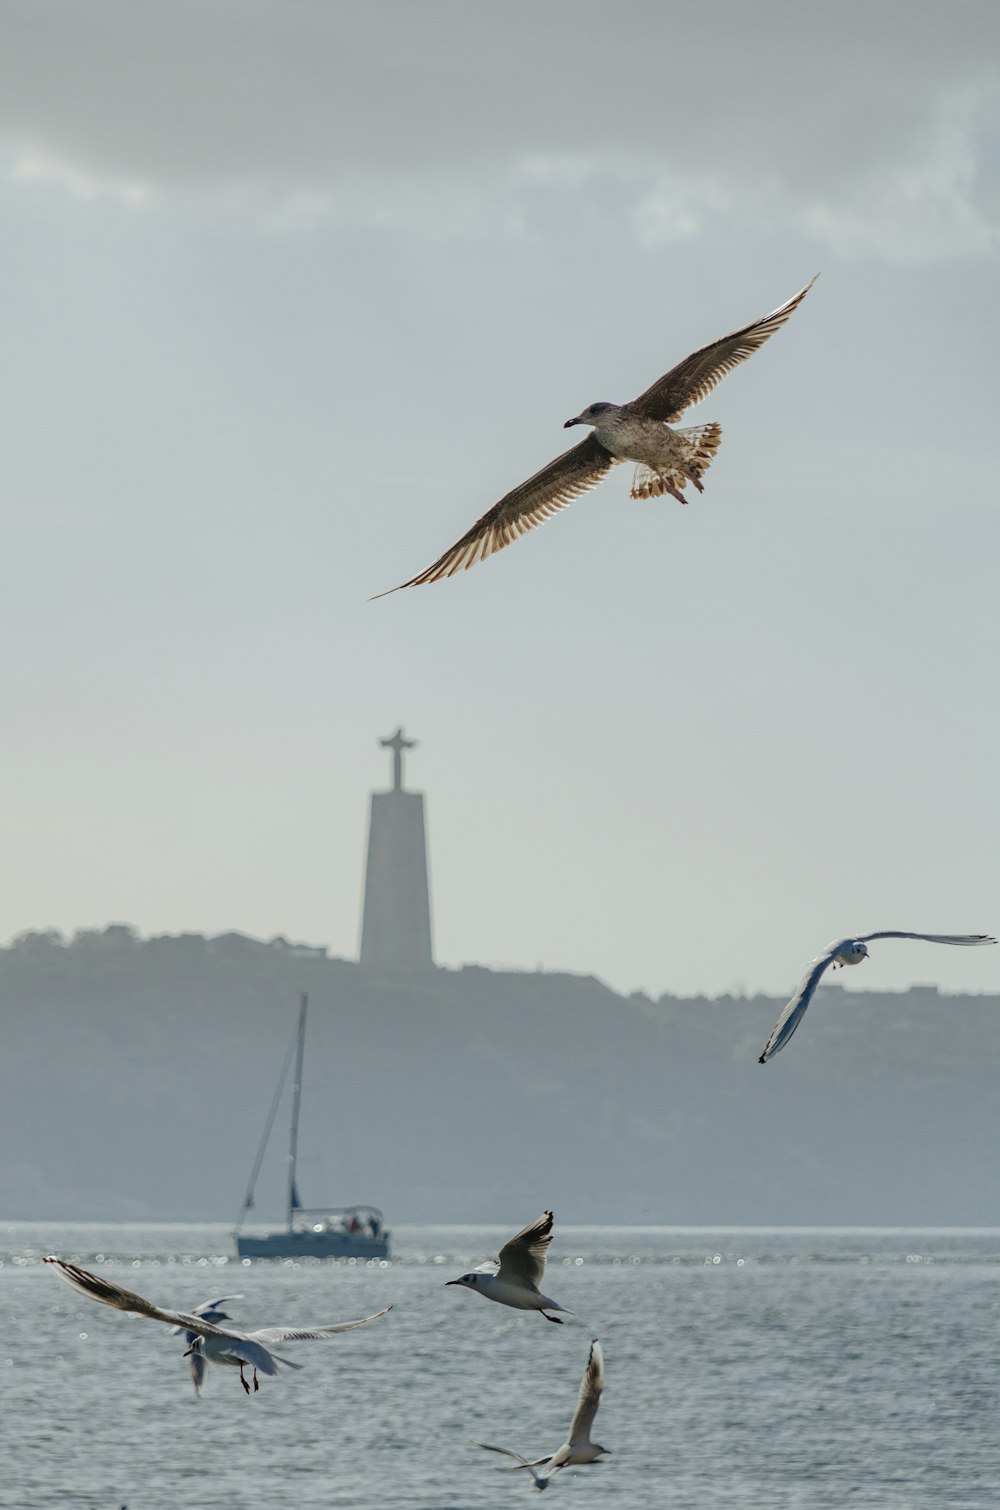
x: 522, y: 1265
x: 209, y: 1310
x: 578, y: 1448
x: 849, y: 951
x: 213, y: 1343
x: 667, y: 459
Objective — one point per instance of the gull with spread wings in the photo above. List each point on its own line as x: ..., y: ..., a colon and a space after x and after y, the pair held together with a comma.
x: 667, y: 459
x: 213, y: 1343
x: 578, y: 1448
x: 849, y: 951
x: 521, y: 1268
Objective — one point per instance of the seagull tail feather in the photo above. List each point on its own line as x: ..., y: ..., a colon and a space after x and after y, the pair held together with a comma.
x: 700, y: 444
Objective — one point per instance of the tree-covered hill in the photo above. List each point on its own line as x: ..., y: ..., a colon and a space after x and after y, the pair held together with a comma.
x: 136, y: 1075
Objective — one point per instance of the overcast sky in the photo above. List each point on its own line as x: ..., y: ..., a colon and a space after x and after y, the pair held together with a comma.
x: 295, y: 290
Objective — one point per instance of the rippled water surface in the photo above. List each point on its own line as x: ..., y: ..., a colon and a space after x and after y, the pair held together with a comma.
x: 755, y: 1369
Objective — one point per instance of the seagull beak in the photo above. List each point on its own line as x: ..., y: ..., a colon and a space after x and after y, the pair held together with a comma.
x: 451, y: 1282
x: 569, y: 423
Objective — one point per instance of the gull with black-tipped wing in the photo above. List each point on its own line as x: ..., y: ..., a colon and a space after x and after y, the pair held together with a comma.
x: 521, y: 1268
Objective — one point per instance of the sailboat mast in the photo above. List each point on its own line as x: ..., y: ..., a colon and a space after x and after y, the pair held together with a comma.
x: 248, y: 1199
x: 293, y: 1142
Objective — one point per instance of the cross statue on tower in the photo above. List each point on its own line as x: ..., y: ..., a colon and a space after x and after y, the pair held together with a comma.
x: 397, y: 743
x: 396, y: 920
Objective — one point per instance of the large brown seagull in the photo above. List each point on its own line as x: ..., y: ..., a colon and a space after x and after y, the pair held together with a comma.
x: 666, y: 459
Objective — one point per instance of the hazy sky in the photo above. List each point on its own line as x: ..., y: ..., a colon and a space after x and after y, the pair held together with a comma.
x: 294, y: 290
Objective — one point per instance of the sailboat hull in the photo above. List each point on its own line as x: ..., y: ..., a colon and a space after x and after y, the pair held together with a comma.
x: 299, y: 1244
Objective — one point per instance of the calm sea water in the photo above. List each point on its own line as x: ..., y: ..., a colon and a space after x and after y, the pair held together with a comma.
x: 763, y: 1370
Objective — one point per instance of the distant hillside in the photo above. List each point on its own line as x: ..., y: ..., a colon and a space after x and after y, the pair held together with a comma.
x: 136, y: 1075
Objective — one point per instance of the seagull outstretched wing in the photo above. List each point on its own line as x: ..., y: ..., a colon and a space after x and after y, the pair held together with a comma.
x: 964, y: 939
x: 96, y: 1287
x: 590, y: 1396
x: 522, y: 1260
x: 575, y: 472
x: 694, y: 378
x: 273, y: 1334
x: 520, y: 1462
x: 796, y: 1008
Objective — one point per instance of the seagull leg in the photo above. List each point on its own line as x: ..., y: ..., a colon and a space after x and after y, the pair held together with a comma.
x: 672, y: 490
x: 255, y: 1384
x: 243, y: 1381
x: 556, y: 1319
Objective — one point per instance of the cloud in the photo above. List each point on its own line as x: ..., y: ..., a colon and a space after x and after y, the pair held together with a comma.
x: 862, y: 129
x: 922, y: 209
x: 32, y: 166
x: 924, y: 205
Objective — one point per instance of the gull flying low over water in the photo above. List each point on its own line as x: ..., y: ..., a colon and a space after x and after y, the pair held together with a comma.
x: 213, y: 1343
x: 578, y: 1448
x: 522, y: 1265
x: 209, y: 1310
x: 849, y: 951
x: 667, y: 459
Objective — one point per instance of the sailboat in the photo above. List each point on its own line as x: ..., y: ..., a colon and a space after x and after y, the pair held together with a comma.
x: 309, y: 1232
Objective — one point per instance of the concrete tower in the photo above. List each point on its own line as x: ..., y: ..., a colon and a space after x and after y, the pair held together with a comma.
x: 396, y: 926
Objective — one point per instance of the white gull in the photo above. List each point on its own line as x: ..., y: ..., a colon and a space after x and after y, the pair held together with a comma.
x: 213, y: 1343
x: 521, y: 1269
x: 577, y: 1448
x: 849, y: 951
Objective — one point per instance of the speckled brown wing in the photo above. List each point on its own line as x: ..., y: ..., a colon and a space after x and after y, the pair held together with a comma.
x: 575, y: 472
x: 694, y: 378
